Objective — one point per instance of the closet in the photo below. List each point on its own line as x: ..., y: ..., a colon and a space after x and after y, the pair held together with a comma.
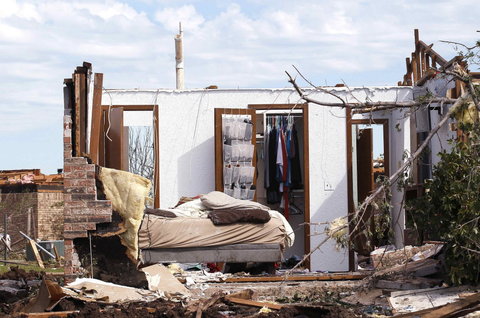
x: 280, y: 180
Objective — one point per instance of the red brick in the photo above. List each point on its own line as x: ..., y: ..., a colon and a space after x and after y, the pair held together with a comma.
x: 104, y: 211
x: 75, y: 204
x: 74, y: 234
x: 86, y: 182
x: 67, y: 182
x: 105, y: 204
x: 100, y: 219
x: 83, y: 197
x: 76, y: 161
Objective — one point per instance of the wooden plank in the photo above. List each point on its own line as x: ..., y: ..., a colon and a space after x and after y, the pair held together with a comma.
x: 409, y: 284
x: 83, y: 115
x: 50, y: 314
x: 218, y: 150
x: 414, y: 68
x: 253, y: 303
x: 76, y: 116
x: 57, y: 255
x: 156, y: 153
x: 95, y: 132
x: 306, y: 188
x: 36, y: 253
x: 326, y: 277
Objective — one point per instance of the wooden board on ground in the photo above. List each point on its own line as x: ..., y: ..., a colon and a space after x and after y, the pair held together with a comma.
x: 36, y: 253
x: 323, y: 277
x: 50, y: 314
x: 253, y: 303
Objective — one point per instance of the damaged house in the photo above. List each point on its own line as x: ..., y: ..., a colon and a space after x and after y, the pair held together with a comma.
x: 31, y: 202
x: 325, y: 162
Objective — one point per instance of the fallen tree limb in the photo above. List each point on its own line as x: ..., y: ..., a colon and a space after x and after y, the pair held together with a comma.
x: 360, y: 105
x: 363, y: 207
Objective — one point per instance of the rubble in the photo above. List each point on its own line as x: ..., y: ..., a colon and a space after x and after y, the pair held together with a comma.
x: 241, y: 295
x: 408, y: 283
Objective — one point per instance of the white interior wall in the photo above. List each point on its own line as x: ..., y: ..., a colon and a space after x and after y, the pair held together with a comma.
x: 186, y: 130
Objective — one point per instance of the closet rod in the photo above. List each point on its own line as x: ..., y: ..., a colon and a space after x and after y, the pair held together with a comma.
x: 283, y: 115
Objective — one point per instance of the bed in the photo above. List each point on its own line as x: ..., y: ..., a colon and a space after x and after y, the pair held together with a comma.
x: 191, y: 236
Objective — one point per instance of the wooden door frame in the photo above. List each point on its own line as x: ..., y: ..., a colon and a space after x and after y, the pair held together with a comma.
x: 386, y: 156
x: 306, y: 163
x: 156, y: 140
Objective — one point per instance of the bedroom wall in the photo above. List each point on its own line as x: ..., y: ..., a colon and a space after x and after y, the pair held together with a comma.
x: 186, y: 129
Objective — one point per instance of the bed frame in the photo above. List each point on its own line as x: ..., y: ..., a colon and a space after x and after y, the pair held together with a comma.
x: 237, y: 253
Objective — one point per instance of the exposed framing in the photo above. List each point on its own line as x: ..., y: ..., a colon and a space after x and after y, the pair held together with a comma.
x: 306, y: 162
x: 96, y: 118
x: 386, y: 156
x: 156, y: 137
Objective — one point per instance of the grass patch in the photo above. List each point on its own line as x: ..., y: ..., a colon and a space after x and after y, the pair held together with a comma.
x: 31, y: 267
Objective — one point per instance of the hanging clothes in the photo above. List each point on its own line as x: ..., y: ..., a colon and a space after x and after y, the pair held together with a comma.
x: 295, y: 172
x: 282, y: 161
x: 273, y: 193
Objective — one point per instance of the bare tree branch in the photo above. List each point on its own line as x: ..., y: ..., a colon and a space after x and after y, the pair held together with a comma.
x: 317, y: 87
x: 367, y: 104
x: 461, y: 44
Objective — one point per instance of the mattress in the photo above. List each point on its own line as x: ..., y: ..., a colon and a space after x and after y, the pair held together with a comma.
x: 182, y: 232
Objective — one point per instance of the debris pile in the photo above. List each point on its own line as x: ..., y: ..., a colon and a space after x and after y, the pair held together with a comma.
x: 404, y: 286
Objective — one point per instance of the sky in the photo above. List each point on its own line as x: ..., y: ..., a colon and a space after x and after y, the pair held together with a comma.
x: 231, y: 44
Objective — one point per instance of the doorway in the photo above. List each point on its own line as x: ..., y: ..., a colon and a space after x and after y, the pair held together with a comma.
x: 295, y: 117
x: 367, y: 163
x: 129, y: 142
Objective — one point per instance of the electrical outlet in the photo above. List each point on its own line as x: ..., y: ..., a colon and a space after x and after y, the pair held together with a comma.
x: 328, y: 186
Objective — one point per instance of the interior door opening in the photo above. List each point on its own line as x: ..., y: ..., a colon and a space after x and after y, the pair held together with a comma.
x: 369, y: 163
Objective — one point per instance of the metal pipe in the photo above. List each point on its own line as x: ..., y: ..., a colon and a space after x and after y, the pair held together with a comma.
x: 179, y: 70
x: 38, y: 245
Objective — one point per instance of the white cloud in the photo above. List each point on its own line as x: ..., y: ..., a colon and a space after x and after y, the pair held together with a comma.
x: 187, y: 15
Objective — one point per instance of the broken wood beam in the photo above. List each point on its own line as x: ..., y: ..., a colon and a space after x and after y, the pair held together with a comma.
x: 96, y: 123
x: 36, y: 253
x: 50, y: 314
x: 253, y: 303
x: 326, y: 277
x: 57, y: 255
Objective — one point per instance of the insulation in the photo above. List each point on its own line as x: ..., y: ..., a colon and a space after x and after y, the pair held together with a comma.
x: 127, y: 192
